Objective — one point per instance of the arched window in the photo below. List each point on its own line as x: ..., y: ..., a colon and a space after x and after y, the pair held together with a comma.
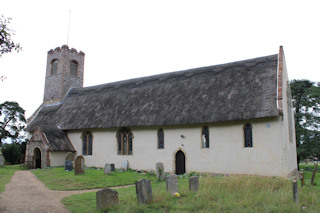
x: 247, y: 130
x: 205, y: 137
x: 73, y: 68
x: 124, y: 139
x: 54, y: 67
x: 87, y: 143
x: 160, y: 139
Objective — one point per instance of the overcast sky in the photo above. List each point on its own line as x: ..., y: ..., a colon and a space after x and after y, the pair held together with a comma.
x: 129, y: 39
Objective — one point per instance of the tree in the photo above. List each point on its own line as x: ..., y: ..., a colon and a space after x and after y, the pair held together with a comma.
x: 12, y: 121
x: 306, y: 104
x: 6, y: 43
x: 11, y: 152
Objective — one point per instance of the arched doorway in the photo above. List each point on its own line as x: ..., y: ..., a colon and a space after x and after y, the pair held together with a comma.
x: 37, y: 158
x: 180, y: 163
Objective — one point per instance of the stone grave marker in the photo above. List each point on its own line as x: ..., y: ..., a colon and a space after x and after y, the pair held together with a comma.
x: 125, y: 165
x: 70, y: 156
x: 160, y: 171
x: 1, y: 160
x: 172, y: 183
x: 112, y: 167
x: 194, y: 183
x: 106, y: 198
x: 68, y: 165
x: 144, y: 191
x: 107, y: 169
x: 79, y: 165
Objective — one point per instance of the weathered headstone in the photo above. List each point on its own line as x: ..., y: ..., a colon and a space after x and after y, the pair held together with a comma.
x: 112, y: 167
x: 160, y: 171
x: 68, y: 165
x: 172, y: 183
x: 125, y: 165
x: 295, y: 191
x: 79, y: 165
x: 144, y: 191
x: 107, y: 169
x: 106, y: 198
x: 70, y: 156
x: 1, y: 160
x: 194, y: 183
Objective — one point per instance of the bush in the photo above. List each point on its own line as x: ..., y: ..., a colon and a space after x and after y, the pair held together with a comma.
x: 11, y: 152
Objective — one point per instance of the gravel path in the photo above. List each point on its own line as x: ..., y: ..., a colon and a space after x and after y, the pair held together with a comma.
x: 26, y: 193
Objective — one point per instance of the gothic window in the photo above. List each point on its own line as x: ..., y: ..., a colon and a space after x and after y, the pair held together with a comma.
x: 124, y: 140
x: 160, y: 139
x: 54, y: 67
x: 205, y: 137
x: 73, y: 68
x: 87, y: 143
x: 247, y: 130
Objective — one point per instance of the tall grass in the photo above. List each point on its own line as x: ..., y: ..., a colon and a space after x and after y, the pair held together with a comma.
x: 216, y: 194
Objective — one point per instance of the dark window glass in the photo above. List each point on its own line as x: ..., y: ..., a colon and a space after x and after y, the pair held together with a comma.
x: 73, y: 68
x: 87, y: 143
x: 247, y: 135
x: 54, y: 67
x: 124, y: 140
x: 205, y: 137
x: 160, y: 139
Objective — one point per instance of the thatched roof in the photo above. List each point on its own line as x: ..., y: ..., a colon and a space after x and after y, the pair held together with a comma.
x: 234, y: 91
x: 57, y: 139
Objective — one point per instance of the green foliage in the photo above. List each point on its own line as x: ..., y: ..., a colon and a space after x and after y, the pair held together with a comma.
x: 6, y: 43
x: 216, y: 194
x: 306, y: 103
x: 11, y: 152
x: 12, y: 121
x: 59, y: 179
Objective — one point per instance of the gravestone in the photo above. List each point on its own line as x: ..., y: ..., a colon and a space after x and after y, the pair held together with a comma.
x: 194, y: 183
x: 112, y: 167
x: 68, y: 165
x: 172, y: 183
x: 1, y: 160
x: 79, y: 165
x: 160, y: 171
x: 106, y: 198
x: 107, y: 169
x: 144, y: 191
x: 70, y: 156
x: 125, y: 165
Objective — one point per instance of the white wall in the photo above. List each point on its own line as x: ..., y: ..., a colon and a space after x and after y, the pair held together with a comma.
x: 57, y: 158
x: 225, y: 155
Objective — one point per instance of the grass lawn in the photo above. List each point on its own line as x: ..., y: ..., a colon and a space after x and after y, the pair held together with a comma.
x: 216, y: 194
x: 59, y: 179
x: 6, y: 173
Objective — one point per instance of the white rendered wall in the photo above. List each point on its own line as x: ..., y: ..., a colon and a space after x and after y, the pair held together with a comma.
x: 225, y: 155
x: 57, y: 158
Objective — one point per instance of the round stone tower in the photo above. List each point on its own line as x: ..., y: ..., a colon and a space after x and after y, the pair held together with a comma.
x: 64, y: 70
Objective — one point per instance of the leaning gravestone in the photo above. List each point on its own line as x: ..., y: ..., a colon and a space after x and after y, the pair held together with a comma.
x: 125, y: 165
x: 194, y: 183
x: 107, y: 169
x: 172, y: 183
x: 106, y: 198
x: 79, y: 165
x: 144, y: 191
x: 1, y: 160
x: 160, y: 171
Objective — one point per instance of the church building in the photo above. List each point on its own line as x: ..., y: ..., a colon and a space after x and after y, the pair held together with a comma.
x: 233, y: 118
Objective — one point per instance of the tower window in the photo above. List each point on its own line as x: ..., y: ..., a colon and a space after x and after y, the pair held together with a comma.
x: 205, y: 137
x: 73, y: 68
x: 124, y: 139
x: 54, y: 67
x: 247, y: 130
